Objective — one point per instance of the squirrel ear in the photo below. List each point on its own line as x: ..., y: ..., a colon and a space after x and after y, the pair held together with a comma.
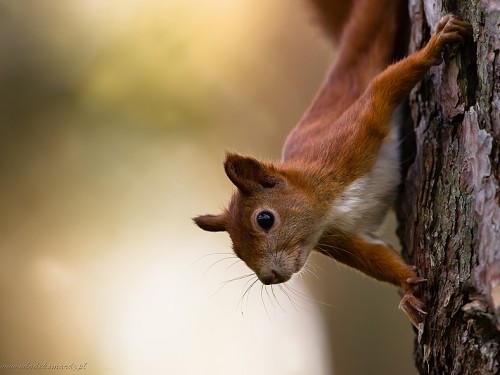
x: 249, y: 174
x: 211, y: 223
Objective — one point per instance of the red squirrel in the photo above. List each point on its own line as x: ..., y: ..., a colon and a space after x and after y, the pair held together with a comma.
x: 339, y: 171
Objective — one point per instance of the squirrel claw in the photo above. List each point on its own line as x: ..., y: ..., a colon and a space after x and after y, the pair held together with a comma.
x: 416, y: 280
x: 449, y: 30
x: 414, y: 309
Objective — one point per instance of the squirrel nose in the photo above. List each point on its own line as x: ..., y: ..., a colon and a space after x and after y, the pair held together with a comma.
x: 272, y: 277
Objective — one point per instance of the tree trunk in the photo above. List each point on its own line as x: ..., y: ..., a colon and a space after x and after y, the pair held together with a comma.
x: 449, y: 209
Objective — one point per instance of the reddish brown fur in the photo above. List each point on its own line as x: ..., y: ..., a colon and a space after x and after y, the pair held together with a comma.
x: 336, y: 143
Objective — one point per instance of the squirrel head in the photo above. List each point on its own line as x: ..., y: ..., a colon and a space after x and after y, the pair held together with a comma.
x: 273, y: 222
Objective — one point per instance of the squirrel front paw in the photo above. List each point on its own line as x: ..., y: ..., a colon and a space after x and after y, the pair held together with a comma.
x: 411, y: 305
x: 449, y: 30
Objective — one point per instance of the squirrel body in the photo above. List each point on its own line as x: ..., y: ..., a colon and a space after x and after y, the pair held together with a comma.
x: 339, y: 171
x: 363, y: 205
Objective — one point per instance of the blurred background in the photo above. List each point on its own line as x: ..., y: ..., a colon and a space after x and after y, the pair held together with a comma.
x: 114, y: 120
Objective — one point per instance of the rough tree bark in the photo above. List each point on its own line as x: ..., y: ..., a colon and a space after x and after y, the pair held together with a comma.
x: 449, y: 209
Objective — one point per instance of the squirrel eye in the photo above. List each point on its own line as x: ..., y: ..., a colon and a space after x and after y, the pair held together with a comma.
x: 265, y: 219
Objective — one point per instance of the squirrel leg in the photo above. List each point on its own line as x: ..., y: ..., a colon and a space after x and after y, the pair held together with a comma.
x: 390, y: 87
x: 384, y: 93
x: 379, y: 260
x: 375, y: 107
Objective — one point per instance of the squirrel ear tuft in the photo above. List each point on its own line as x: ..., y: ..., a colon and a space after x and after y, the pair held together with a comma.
x: 249, y: 174
x: 211, y: 223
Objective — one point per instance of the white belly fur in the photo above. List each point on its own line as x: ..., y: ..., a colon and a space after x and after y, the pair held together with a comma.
x: 362, y: 207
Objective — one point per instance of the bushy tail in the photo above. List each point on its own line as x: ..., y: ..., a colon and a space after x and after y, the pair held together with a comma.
x: 371, y: 18
x: 332, y: 15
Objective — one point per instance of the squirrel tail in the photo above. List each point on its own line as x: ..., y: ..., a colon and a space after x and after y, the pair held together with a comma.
x: 334, y: 16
